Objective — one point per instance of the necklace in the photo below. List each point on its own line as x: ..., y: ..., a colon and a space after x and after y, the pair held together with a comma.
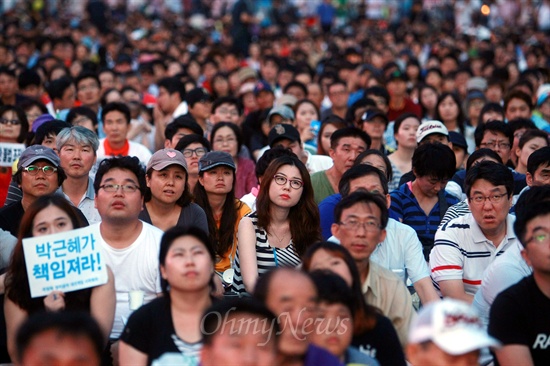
x: 276, y: 236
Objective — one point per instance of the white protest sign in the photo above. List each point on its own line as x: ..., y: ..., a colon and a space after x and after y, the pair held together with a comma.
x: 67, y: 261
x: 9, y: 153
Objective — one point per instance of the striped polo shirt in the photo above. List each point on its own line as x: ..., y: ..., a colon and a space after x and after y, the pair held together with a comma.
x: 462, y: 252
x: 406, y: 208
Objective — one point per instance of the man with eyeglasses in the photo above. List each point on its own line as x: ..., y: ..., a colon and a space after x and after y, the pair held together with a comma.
x: 361, y: 220
x: 226, y: 109
x: 464, y: 247
x: 519, y: 316
x: 38, y: 174
x: 130, y: 246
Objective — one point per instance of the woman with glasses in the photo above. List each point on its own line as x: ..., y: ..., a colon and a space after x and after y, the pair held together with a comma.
x: 215, y: 193
x: 278, y: 234
x: 13, y: 129
x: 193, y: 147
x: 50, y: 215
x: 167, y: 197
x: 227, y: 137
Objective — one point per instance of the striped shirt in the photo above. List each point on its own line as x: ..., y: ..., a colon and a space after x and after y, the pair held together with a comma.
x: 406, y: 208
x: 267, y: 257
x: 462, y: 252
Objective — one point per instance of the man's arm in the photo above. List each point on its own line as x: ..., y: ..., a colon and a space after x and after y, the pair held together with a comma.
x: 454, y: 289
x: 425, y: 290
x: 514, y: 354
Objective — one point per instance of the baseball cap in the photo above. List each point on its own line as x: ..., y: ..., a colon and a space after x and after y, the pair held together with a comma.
x: 43, y: 118
x: 261, y: 86
x: 286, y: 99
x: 198, y: 95
x: 213, y: 159
x: 371, y: 114
x: 476, y: 82
x: 246, y: 88
x: 429, y: 127
x: 458, y: 140
x: 542, y: 98
x: 397, y: 75
x: 246, y: 73
x: 37, y: 152
x: 165, y: 157
x: 282, y: 131
x: 474, y: 94
x: 282, y: 111
x: 452, y: 325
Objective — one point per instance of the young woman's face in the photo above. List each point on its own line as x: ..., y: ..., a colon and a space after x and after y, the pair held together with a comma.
x: 167, y: 185
x: 218, y: 180
x: 225, y: 140
x: 10, y: 127
x: 325, y: 260
x: 377, y: 162
x: 305, y: 113
x: 187, y: 266
x: 285, y: 195
x: 428, y: 98
x: 325, y: 137
x: 448, y: 109
x: 51, y: 220
x: 406, y: 135
x: 530, y: 147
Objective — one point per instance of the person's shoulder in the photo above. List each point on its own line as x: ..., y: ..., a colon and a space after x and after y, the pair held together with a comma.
x: 149, y: 229
x: 463, y: 222
x: 331, y: 200
x: 319, y: 356
x: 383, y: 273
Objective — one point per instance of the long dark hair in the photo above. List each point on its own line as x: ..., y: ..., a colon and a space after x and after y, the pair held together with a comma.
x: 365, y: 314
x: 223, y: 236
x: 459, y: 118
x: 17, y: 283
x: 304, y: 217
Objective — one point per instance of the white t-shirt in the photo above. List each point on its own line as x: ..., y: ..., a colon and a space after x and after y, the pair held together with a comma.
x: 136, y: 149
x: 135, y: 267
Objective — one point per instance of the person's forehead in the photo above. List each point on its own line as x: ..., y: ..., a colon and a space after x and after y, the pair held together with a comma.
x: 539, y: 222
x: 87, y: 80
x: 481, y: 184
x: 366, y: 181
x: 493, y: 134
x: 226, y: 105
x: 120, y: 174
x: 362, y: 209
x: 351, y: 140
x: 291, y: 285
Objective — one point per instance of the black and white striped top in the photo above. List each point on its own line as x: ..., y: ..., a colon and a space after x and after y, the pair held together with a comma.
x: 267, y: 257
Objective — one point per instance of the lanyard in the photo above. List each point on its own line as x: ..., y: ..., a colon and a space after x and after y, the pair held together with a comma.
x: 275, y: 257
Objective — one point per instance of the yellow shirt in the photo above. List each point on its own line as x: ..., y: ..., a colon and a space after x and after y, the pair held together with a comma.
x: 224, y: 263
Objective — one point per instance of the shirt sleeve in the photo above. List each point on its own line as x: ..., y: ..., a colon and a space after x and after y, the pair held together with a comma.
x: 446, y: 261
x: 138, y: 329
x: 395, y: 207
x: 416, y: 266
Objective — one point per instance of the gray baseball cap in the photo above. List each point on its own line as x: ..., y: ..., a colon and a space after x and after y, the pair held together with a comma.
x: 37, y: 152
x: 166, y: 157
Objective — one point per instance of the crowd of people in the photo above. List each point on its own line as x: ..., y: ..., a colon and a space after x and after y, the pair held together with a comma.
x: 301, y: 184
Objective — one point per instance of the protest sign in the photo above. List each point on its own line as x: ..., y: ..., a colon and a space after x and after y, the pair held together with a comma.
x: 9, y: 153
x: 67, y: 261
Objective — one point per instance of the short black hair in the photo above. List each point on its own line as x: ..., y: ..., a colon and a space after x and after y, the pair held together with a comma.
x: 81, y: 111
x: 183, y: 121
x: 213, y: 320
x: 495, y: 173
x: 528, y: 213
x: 518, y: 94
x: 538, y: 158
x: 481, y: 153
x: 87, y: 75
x: 172, y: 85
x: 519, y: 123
x: 57, y: 87
x: 358, y: 171
x: 493, y: 126
x: 64, y: 323
x: 116, y: 106
x: 490, y: 107
x: 362, y: 197
x: 295, y: 83
x: 332, y: 289
x: 434, y: 160
x: 227, y: 100
x: 349, y: 132
x: 50, y: 128
x: 130, y: 163
x: 190, y: 139
x: 28, y: 77
x: 268, y: 156
x: 530, y: 135
x: 531, y: 196
x: 378, y: 91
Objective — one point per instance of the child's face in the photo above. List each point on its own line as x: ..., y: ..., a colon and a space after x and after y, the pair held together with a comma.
x: 333, y: 328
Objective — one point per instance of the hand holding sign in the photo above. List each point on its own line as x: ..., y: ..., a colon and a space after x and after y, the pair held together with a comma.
x: 55, y: 301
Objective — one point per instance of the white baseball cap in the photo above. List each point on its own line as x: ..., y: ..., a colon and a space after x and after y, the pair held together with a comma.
x: 429, y: 127
x: 453, y: 326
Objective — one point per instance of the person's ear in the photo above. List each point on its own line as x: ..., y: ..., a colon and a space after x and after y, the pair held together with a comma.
x: 335, y: 230
x: 529, y: 179
x: 525, y: 256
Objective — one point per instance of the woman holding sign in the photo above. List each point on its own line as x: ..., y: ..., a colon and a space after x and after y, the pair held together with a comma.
x: 167, y: 331
x: 51, y: 215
